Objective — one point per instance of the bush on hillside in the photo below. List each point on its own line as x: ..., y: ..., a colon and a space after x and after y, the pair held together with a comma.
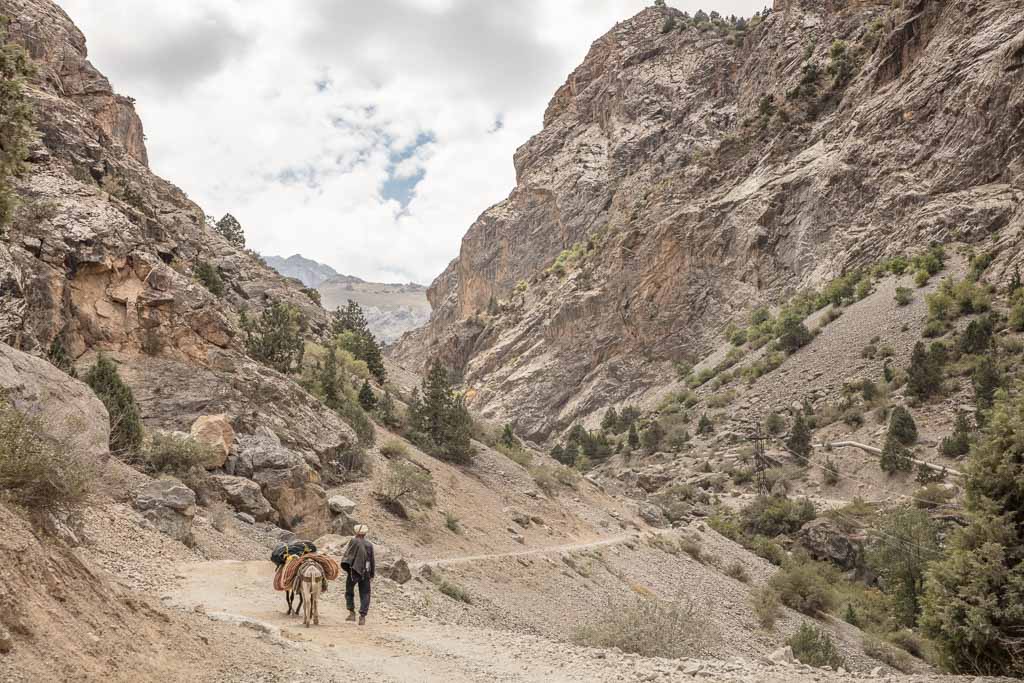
x: 439, y: 421
x: 38, y: 471
x: 172, y: 454
x: 902, y: 427
x: 275, y: 338
x: 958, y: 443
x: 405, y: 481
x: 209, y: 277
x: 799, y: 441
x: 767, y: 607
x: 16, y: 123
x: 776, y: 515
x: 814, y: 647
x: 802, y: 586
x: 649, y: 628
x: 117, y: 397
x: 904, y: 296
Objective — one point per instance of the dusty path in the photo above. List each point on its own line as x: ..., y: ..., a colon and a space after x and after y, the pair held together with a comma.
x: 399, y: 647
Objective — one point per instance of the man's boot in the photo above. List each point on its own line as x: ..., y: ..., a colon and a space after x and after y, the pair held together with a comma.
x: 351, y: 616
x: 362, y: 619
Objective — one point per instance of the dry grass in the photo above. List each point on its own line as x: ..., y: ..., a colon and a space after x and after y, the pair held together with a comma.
x: 650, y: 628
x: 767, y: 607
x: 38, y: 471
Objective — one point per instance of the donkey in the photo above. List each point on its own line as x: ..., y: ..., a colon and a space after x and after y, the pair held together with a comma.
x: 309, y: 580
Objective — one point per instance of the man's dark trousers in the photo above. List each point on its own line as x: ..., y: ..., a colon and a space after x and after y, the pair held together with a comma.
x: 363, y: 581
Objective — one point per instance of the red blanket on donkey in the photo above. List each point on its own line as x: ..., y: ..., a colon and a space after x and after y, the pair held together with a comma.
x: 284, y: 577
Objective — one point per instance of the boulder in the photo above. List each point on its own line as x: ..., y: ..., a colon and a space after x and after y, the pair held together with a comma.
x: 170, y: 506
x: 288, y: 483
x: 244, y: 495
x: 784, y: 655
x: 69, y: 408
x: 400, y: 572
x: 214, y: 432
x: 343, y: 525
x: 332, y: 544
x: 520, y: 518
x: 653, y: 515
x: 825, y: 540
x: 340, y: 505
x: 245, y: 517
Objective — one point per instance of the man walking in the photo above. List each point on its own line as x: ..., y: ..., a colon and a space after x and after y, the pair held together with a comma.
x: 359, y: 565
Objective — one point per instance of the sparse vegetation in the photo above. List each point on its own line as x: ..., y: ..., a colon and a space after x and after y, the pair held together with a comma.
x: 16, y: 121
x: 775, y: 515
x: 813, y: 646
x: 231, y: 230
x: 171, y: 454
x: 767, y: 607
x: 209, y: 277
x: 38, y: 470
x: 649, y: 628
x: 904, y: 296
x: 803, y: 587
x: 405, y: 481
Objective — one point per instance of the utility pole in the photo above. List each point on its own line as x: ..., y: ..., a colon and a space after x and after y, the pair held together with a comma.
x: 760, y: 462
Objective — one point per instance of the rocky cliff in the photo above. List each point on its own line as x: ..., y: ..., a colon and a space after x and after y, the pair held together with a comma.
x: 687, y: 173
x: 102, y: 256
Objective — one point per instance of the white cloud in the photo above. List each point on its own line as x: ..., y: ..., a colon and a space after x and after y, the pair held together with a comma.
x: 313, y: 121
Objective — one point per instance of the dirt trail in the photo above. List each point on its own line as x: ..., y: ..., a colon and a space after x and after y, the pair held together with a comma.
x: 406, y: 649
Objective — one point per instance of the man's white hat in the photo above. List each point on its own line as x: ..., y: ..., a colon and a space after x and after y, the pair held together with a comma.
x: 362, y: 529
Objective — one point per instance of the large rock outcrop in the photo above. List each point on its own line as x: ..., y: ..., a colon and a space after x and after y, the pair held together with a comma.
x: 102, y: 257
x: 68, y: 407
x: 687, y: 175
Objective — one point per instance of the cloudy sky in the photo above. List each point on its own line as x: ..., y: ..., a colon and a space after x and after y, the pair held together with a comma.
x: 367, y: 135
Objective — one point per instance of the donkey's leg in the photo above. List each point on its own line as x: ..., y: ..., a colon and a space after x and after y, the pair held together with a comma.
x: 307, y: 611
x: 314, y: 598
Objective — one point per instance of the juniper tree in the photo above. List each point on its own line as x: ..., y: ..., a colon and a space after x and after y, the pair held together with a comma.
x: 350, y: 328
x: 652, y: 436
x: 386, y: 411
x: 633, y: 439
x: 902, y: 426
x: 117, y: 397
x: 906, y: 542
x: 275, y: 338
x: 959, y: 442
x: 973, y: 606
x: 985, y: 380
x: 231, y: 230
x: 610, y: 421
x: 508, y: 437
x: 895, y: 457
x: 366, y: 397
x: 328, y: 379
x: 924, y: 375
x: 705, y: 425
x: 441, y: 416
x: 799, y: 441
x: 977, y: 338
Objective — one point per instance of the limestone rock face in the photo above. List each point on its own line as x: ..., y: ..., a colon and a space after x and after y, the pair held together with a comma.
x: 215, y: 432
x: 681, y: 202
x: 245, y: 496
x: 67, y: 406
x: 170, y: 506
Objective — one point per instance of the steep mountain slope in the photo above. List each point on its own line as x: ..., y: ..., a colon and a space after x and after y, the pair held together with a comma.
x: 391, y: 309
x: 683, y: 177
x: 105, y: 257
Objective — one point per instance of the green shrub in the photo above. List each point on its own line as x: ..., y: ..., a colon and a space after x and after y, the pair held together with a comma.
x: 933, y: 496
x: 394, y: 448
x: 902, y: 427
x: 38, y: 470
x: 792, y: 333
x: 814, y: 647
x: 925, y: 372
x: 405, y: 481
x: 776, y: 515
x: 934, y: 328
x: 209, y: 277
x: 904, y: 296
x: 803, y: 587
x: 767, y: 607
x: 276, y: 337
x: 774, y: 424
x: 973, y: 594
x: 454, y: 591
x: 649, y: 628
x: 704, y: 425
x: 977, y: 338
x: 921, y: 278
x: 895, y: 457
x: 451, y: 522
x: 958, y: 443
x: 172, y: 454
x: 799, y: 441
x: 766, y: 548
x: 117, y: 397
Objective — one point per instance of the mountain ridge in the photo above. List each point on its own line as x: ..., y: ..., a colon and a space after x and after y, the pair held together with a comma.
x: 684, y: 177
